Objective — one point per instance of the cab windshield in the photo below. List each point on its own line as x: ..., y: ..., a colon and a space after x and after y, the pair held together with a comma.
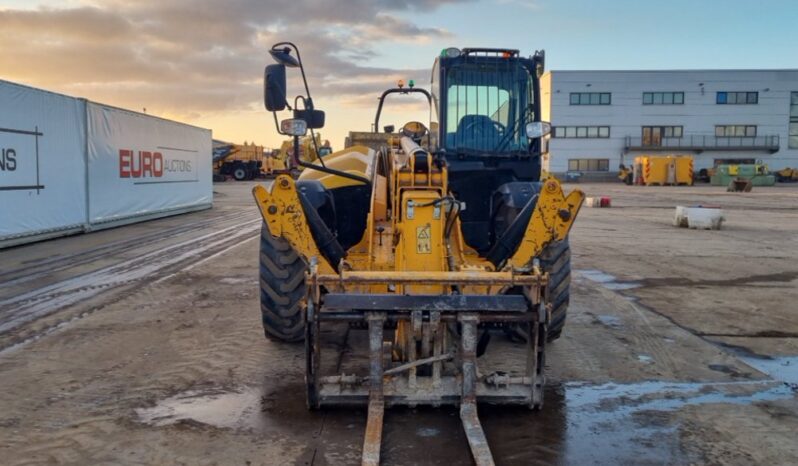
x: 488, y: 106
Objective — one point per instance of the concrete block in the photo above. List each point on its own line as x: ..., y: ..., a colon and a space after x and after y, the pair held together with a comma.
x: 699, y: 217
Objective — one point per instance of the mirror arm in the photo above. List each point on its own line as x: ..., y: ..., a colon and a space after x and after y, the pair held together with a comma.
x: 277, y: 124
x: 301, y: 67
x: 312, y: 133
x: 316, y: 147
x: 296, y: 150
x: 309, y: 106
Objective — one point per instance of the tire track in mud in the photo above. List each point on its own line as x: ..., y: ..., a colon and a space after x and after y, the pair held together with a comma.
x: 220, y: 344
x: 27, y: 307
x: 222, y: 347
x: 33, y: 270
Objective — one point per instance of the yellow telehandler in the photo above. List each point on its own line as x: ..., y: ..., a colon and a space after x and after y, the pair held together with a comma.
x: 311, y: 149
x: 425, y: 245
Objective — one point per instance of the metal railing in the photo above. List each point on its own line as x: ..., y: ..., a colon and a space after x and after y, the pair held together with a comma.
x: 701, y: 142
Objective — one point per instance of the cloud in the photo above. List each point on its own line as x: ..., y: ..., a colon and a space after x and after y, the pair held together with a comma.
x: 189, y: 58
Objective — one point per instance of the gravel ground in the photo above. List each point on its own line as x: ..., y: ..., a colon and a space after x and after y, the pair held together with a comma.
x: 142, y: 345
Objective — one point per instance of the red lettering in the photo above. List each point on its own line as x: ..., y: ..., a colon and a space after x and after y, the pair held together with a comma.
x: 135, y: 171
x: 140, y: 164
x: 124, y: 163
x: 157, y: 164
x: 146, y: 163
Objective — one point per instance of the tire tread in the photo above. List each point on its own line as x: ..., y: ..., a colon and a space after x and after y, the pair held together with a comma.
x: 282, y: 289
x: 556, y: 259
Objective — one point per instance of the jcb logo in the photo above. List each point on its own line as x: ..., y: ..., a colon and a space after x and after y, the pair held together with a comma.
x: 141, y: 164
x: 8, y: 160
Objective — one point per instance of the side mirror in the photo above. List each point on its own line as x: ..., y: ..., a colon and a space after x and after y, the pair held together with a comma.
x: 314, y: 118
x: 274, y: 88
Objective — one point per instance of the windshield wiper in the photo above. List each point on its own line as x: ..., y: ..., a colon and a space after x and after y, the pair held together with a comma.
x: 505, y: 140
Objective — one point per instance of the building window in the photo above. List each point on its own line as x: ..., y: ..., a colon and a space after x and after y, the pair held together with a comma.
x: 582, y: 132
x: 653, y: 135
x: 591, y: 98
x: 735, y: 131
x: 793, y: 135
x: 589, y: 165
x: 737, y: 98
x: 717, y: 162
x: 663, y: 98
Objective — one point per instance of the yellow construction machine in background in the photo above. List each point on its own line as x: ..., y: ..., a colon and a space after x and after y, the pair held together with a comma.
x: 283, y: 158
x: 239, y: 161
x: 251, y: 161
x: 787, y: 175
x: 425, y: 246
x: 626, y: 174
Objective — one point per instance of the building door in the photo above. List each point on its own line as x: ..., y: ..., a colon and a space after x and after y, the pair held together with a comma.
x: 652, y: 135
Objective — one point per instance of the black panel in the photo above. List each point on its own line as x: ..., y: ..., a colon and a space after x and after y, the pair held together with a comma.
x: 506, y: 244
x: 343, y: 211
x: 352, y: 210
x: 507, y: 203
x: 322, y: 235
x: 321, y: 200
x: 474, y: 181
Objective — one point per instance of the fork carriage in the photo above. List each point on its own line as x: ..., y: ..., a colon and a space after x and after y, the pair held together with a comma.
x: 423, y: 348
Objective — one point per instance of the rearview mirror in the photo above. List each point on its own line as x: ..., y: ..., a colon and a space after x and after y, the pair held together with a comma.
x: 314, y: 118
x: 274, y: 88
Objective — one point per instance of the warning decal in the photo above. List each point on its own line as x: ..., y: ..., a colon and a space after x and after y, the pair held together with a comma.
x: 423, y: 243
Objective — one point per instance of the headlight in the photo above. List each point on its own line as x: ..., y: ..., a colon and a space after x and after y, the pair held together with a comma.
x: 294, y: 127
x: 537, y: 129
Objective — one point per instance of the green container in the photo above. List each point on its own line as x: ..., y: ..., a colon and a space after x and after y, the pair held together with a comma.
x: 764, y: 180
x: 748, y: 172
x: 720, y: 179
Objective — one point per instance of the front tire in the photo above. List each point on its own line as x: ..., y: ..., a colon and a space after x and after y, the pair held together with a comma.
x: 556, y: 260
x: 282, y: 289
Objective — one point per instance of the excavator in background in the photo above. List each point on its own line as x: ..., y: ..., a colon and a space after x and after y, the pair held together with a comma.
x: 437, y: 251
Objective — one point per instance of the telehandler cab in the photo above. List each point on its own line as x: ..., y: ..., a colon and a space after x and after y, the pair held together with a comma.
x: 424, y: 244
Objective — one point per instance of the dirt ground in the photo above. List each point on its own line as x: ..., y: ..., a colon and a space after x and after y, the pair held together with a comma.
x: 143, y: 345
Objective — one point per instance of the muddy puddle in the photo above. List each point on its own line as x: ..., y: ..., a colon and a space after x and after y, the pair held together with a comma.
x: 610, y: 321
x: 781, y: 368
x: 580, y: 423
x: 237, y: 409
x: 608, y: 281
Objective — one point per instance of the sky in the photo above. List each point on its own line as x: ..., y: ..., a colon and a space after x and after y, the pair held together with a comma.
x: 201, y: 62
